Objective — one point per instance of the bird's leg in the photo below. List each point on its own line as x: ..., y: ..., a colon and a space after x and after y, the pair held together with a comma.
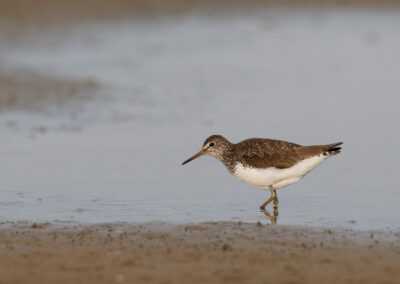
x: 273, y: 197
x: 276, y: 201
x: 262, y: 207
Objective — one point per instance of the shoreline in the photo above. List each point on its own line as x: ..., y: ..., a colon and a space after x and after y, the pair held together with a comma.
x: 215, y: 252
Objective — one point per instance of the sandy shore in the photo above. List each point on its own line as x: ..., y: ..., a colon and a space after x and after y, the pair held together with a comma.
x: 201, y: 253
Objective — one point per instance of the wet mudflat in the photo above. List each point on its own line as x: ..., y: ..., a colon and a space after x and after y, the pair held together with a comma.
x: 212, y: 252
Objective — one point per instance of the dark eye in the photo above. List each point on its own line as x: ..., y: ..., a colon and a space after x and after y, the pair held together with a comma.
x: 212, y: 144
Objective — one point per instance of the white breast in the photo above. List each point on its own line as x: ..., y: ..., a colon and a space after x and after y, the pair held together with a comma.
x: 274, y: 177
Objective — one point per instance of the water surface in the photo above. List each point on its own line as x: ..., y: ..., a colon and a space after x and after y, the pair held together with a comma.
x: 310, y: 77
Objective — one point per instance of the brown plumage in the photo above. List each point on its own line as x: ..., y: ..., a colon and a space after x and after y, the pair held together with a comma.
x: 265, y: 153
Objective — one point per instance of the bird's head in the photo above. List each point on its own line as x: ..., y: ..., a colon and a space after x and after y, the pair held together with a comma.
x: 214, y: 145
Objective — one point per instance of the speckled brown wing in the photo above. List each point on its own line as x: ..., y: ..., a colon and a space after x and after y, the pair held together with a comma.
x: 265, y: 153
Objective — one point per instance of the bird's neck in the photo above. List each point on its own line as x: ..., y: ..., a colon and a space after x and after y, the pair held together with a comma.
x: 228, y: 157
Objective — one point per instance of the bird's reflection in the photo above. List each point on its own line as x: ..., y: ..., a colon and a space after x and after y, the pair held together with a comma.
x: 272, y: 217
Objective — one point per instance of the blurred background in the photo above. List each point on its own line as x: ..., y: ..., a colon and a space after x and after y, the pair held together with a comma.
x: 101, y: 101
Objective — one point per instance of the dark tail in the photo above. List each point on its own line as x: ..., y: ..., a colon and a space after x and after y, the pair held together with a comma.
x: 332, y: 149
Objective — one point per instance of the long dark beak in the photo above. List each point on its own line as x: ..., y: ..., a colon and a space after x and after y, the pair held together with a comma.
x: 193, y: 157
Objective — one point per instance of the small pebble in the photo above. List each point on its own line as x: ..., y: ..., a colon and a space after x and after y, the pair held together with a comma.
x: 227, y: 247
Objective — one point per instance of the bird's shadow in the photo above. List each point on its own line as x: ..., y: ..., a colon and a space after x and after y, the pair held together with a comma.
x: 272, y: 217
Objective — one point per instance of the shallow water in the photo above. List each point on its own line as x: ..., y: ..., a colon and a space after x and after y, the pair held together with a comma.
x: 311, y: 77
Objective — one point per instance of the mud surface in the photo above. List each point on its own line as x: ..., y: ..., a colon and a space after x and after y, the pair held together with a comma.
x: 202, y: 253
x: 25, y: 13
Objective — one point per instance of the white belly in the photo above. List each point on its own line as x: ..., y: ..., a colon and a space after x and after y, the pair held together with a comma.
x: 274, y: 177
